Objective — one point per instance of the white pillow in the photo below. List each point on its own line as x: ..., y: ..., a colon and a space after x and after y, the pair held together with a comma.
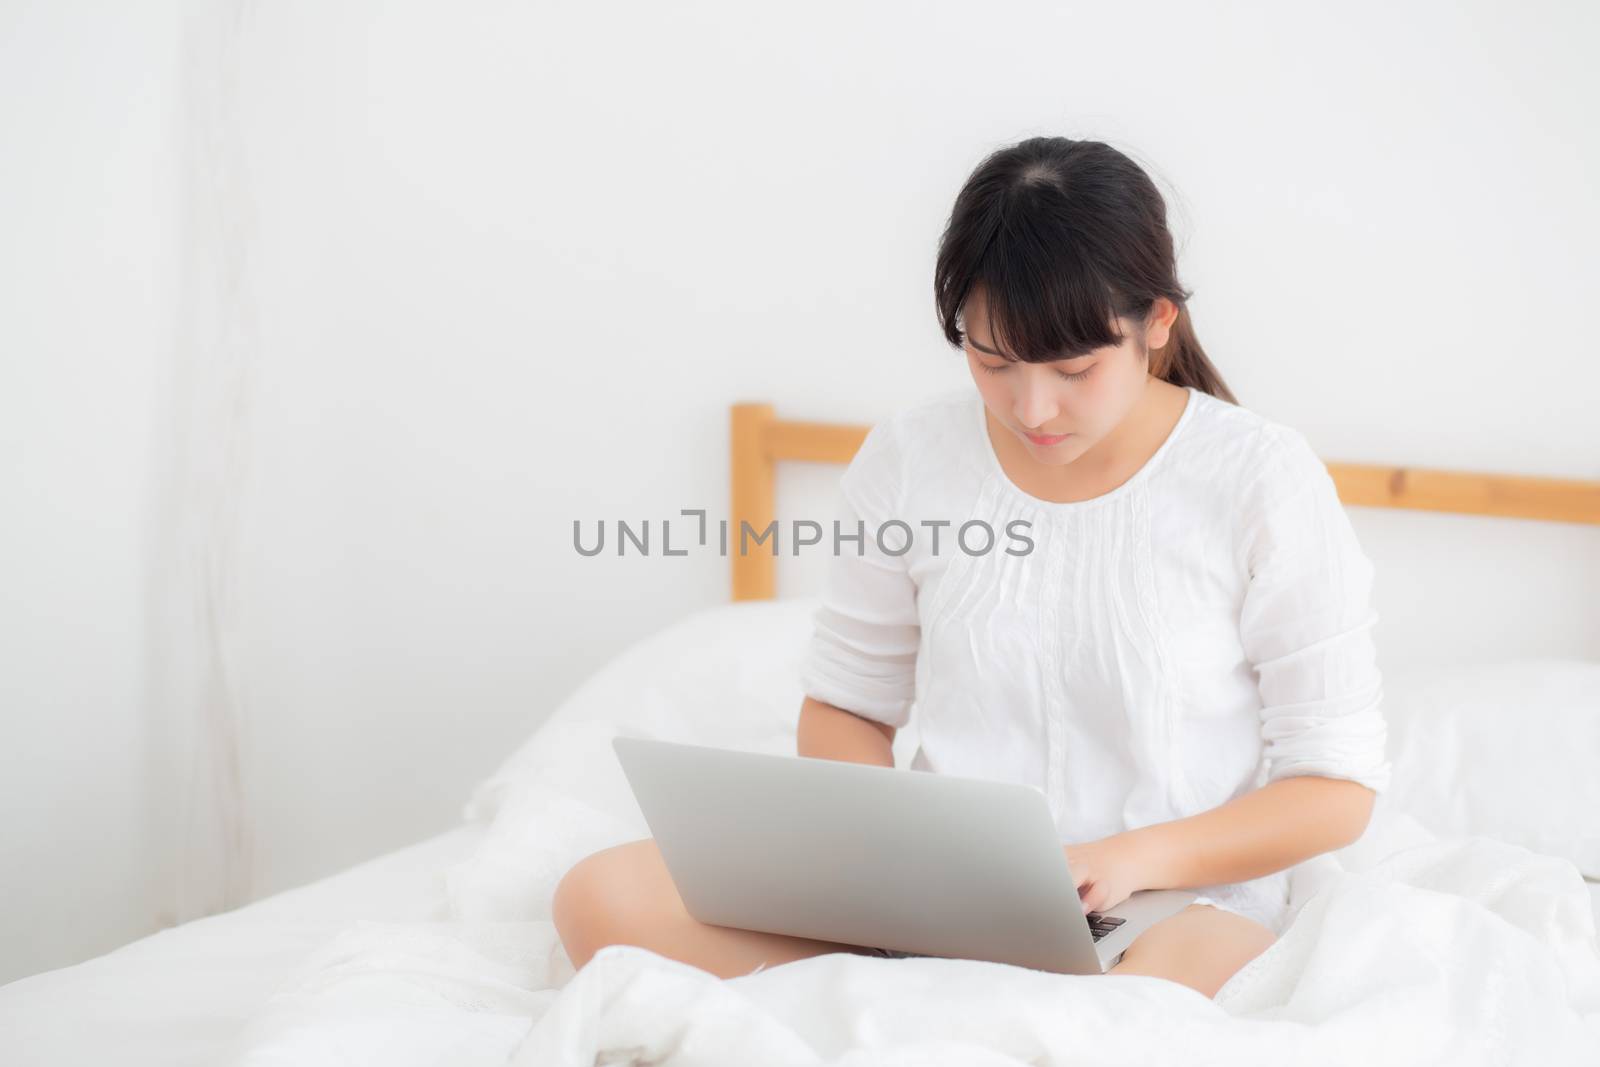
x: 726, y: 676
x: 1509, y: 750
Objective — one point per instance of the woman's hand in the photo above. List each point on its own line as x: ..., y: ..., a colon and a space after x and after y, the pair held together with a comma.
x: 1108, y: 871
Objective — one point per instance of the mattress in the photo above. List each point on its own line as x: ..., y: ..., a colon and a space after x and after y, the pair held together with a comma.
x: 182, y: 995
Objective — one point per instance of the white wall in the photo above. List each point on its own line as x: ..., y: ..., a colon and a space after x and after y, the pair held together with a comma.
x: 433, y: 259
x: 88, y: 276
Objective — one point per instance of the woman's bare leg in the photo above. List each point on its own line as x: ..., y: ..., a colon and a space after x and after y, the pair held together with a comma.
x: 624, y: 895
x: 1201, y: 947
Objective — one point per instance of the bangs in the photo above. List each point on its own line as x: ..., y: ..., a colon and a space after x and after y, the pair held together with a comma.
x: 1044, y: 302
x: 1038, y: 262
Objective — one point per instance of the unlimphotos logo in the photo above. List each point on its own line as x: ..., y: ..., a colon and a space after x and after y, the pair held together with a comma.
x: 975, y: 537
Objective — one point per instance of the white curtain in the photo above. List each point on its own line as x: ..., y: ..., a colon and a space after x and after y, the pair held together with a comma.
x: 199, y: 695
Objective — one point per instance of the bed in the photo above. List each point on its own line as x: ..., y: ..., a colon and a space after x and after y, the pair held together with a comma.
x: 1461, y: 927
x: 181, y: 995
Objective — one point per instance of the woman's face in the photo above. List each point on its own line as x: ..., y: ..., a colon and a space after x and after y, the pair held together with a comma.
x: 1084, y: 397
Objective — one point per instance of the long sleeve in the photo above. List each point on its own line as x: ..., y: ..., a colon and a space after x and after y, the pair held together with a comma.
x: 863, y: 650
x: 1306, y: 622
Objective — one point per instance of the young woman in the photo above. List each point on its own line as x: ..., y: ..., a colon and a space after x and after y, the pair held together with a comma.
x: 1182, y: 659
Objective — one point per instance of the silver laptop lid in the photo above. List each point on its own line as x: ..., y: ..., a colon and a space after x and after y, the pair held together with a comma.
x: 863, y: 855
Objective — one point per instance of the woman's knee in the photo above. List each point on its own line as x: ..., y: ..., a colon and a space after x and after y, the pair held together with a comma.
x: 601, y: 899
x: 1200, y: 947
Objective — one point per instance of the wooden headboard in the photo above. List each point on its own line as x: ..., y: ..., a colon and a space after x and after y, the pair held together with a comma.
x: 760, y: 440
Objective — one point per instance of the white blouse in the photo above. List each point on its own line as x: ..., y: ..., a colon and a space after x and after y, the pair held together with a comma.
x: 1148, y: 654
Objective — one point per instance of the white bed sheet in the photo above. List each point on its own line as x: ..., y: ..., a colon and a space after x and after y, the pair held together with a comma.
x: 1409, y: 949
x: 182, y: 996
x: 350, y: 957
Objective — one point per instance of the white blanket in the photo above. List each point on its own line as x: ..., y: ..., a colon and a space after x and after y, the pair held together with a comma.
x: 1405, y: 949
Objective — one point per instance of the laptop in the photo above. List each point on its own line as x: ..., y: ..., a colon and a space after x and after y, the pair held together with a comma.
x: 911, y: 863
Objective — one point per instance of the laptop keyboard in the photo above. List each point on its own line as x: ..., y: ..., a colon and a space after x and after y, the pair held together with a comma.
x: 1101, y: 925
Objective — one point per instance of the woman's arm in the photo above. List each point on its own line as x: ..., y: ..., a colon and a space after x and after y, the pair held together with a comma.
x: 1266, y: 830
x: 828, y: 732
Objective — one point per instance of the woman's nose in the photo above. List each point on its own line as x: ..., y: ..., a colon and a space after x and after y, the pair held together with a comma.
x: 1036, y: 405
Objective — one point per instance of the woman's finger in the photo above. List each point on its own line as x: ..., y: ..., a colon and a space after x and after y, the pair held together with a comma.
x: 1080, y: 871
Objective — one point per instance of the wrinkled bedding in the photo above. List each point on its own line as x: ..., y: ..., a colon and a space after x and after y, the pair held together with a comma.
x: 179, y: 997
x: 1405, y: 948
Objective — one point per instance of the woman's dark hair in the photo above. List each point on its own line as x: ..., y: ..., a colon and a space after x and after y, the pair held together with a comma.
x: 1064, y: 237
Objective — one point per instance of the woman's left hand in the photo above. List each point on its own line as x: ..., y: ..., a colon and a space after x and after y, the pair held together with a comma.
x: 1108, y: 871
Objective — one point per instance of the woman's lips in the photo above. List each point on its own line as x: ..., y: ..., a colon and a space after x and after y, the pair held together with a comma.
x: 1047, y: 439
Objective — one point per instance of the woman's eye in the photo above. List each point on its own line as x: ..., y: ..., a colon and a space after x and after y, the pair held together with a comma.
x: 989, y: 369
